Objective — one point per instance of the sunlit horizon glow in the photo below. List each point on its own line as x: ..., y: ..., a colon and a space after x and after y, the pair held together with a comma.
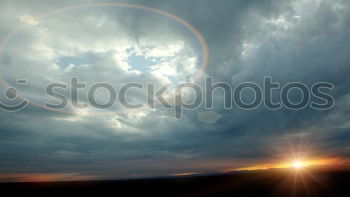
x: 45, y: 177
x: 298, y: 164
x: 295, y: 164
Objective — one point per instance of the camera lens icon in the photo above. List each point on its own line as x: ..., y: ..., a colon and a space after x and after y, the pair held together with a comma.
x: 11, y: 94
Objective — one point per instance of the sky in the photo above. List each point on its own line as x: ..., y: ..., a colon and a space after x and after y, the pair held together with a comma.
x: 164, y: 42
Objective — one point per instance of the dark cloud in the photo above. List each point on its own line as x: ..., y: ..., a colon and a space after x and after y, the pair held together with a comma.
x: 305, y: 41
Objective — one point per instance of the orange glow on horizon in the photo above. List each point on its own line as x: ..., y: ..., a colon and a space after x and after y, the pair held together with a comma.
x: 296, y: 164
x: 185, y: 174
x: 44, y: 177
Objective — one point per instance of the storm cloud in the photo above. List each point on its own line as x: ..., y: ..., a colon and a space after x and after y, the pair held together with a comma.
x: 305, y: 41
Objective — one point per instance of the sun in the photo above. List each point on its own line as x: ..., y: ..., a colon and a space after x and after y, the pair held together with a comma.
x: 298, y: 164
